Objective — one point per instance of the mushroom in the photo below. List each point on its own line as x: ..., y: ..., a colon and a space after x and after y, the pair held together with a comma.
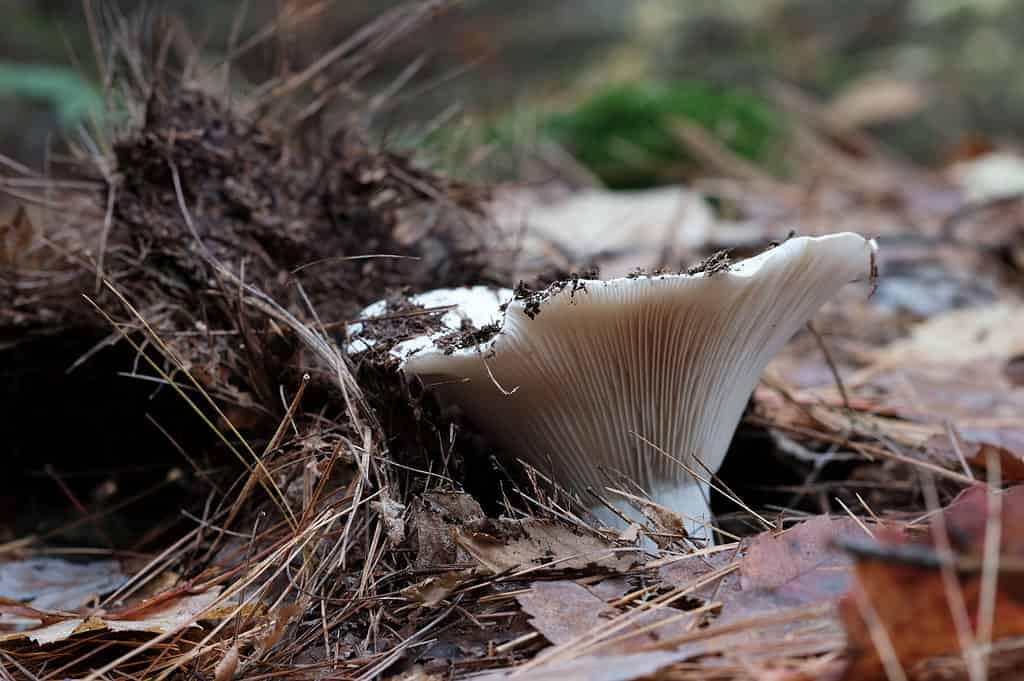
x: 645, y: 376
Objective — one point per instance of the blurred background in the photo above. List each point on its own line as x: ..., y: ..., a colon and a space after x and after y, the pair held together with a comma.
x: 933, y: 79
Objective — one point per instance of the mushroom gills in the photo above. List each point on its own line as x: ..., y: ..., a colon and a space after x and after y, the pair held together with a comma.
x: 642, y: 377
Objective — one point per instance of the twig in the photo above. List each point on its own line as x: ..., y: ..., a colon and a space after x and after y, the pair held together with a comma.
x: 831, y: 364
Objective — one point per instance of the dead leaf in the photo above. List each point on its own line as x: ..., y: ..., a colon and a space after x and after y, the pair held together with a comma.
x: 688, y: 570
x: 1011, y: 464
x: 50, y: 584
x: 171, y: 615
x: 668, y: 525
x: 57, y: 584
x: 563, y: 610
x: 392, y: 514
x: 990, y: 176
x: 802, y: 564
x: 17, y: 234
x: 962, y: 336
x: 611, y: 589
x: 432, y: 590
x: 433, y: 521
x: 622, y: 229
x: 973, y: 391
x: 504, y: 545
x: 228, y: 665
x: 875, y: 98
x: 899, y: 587
x: 593, y: 668
x: 780, y: 575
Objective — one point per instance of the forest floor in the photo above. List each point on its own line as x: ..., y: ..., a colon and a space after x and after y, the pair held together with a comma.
x: 202, y: 484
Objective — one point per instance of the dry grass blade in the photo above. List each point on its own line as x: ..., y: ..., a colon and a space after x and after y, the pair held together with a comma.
x: 264, y: 475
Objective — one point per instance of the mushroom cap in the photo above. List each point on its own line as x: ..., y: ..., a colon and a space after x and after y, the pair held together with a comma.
x: 475, y: 306
x: 639, y: 376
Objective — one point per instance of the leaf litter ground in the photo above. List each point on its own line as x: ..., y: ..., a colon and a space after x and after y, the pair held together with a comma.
x: 255, y: 504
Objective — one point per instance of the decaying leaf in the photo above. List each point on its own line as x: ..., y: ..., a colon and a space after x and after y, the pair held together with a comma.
x: 16, y: 236
x: 962, y: 336
x: 432, y: 590
x: 876, y: 98
x: 621, y: 229
x: 503, y: 545
x: 685, y: 571
x: 57, y: 584
x: 667, y: 524
x: 392, y: 515
x: 802, y: 564
x: 900, y: 600
x: 170, y: 615
x: 980, y: 454
x: 592, y: 668
x: 563, y: 610
x: 434, y: 519
x: 791, y: 572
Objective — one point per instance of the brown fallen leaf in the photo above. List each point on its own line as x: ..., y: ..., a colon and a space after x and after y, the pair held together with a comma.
x: 979, y: 454
x: 597, y: 668
x: 875, y: 98
x: 503, y: 545
x: 621, y: 229
x: 432, y: 590
x: 563, y: 611
x: 961, y: 336
x: 172, y: 614
x: 434, y: 520
x: 962, y: 392
x: 899, y: 595
x: 689, y: 570
x: 780, y: 573
x: 802, y: 564
x: 17, y: 234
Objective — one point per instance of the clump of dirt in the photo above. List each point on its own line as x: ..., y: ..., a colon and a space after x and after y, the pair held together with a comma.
x: 719, y: 261
x: 198, y: 182
x: 534, y: 294
x: 467, y: 337
x: 401, y: 320
x: 531, y: 299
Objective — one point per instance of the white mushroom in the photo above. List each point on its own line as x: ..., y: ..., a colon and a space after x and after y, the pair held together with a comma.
x: 638, y: 376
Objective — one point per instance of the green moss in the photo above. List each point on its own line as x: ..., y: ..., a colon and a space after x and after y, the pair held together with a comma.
x: 624, y: 133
